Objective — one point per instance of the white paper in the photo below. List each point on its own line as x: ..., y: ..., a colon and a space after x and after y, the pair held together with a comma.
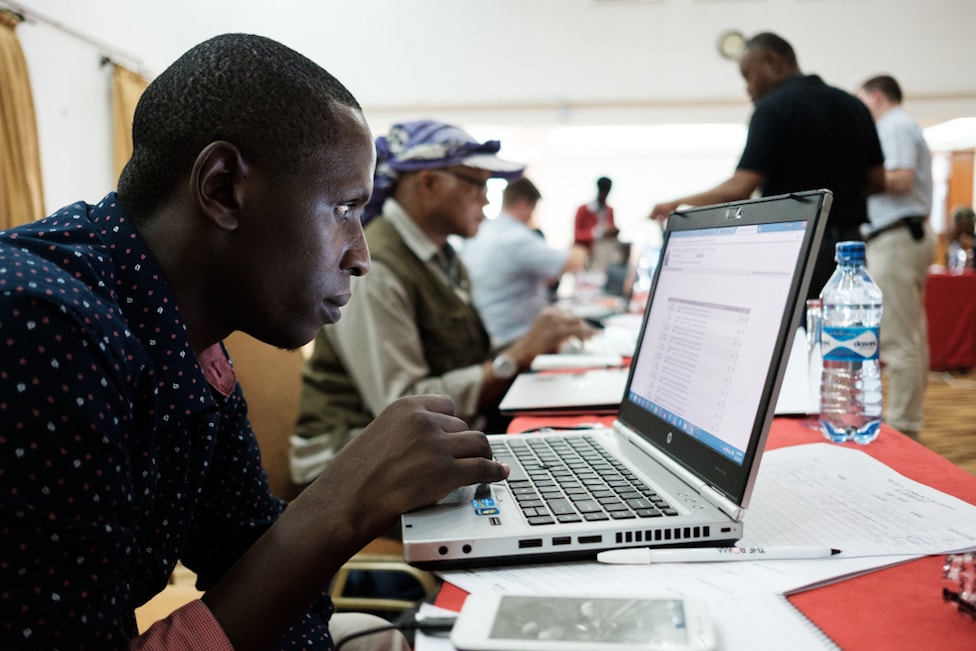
x: 818, y: 494
x: 826, y: 494
x: 800, y: 391
x: 618, y: 337
x: 580, y: 360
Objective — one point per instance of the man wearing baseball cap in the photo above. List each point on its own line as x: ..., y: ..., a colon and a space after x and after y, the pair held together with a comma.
x: 411, y: 327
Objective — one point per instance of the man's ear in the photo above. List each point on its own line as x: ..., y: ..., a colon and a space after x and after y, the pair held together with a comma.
x: 428, y: 180
x: 781, y: 67
x: 217, y: 183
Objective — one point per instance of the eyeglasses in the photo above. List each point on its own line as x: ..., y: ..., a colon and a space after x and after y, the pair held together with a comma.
x: 481, y: 186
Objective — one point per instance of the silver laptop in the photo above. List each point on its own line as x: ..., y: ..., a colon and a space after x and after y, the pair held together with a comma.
x: 619, y: 284
x: 592, y: 391
x: 678, y: 465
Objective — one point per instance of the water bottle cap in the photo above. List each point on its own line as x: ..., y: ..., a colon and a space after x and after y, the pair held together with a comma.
x: 849, y: 252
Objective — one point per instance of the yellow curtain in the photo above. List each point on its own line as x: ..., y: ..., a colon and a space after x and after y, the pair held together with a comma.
x: 127, y: 88
x: 21, y: 189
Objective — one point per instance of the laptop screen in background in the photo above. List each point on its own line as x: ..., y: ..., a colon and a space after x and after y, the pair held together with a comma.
x: 712, y: 328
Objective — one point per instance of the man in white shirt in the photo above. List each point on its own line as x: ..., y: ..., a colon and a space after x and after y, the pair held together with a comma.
x: 512, y: 268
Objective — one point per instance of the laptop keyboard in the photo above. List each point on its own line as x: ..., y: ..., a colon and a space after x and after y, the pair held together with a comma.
x: 572, y: 478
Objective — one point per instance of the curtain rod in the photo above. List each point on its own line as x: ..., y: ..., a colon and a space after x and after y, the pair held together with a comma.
x: 109, y: 54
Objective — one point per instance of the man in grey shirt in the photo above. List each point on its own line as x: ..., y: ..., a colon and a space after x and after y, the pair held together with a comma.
x: 512, y: 267
x: 900, y: 248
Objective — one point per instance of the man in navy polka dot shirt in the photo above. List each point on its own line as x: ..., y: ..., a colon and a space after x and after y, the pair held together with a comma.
x: 124, y: 440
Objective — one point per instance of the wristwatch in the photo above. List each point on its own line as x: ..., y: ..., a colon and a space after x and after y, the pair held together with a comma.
x: 504, y: 367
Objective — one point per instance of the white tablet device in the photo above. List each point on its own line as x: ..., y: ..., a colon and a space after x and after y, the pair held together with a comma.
x: 512, y: 622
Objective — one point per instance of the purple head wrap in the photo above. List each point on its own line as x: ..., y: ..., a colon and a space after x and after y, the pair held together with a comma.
x: 428, y: 144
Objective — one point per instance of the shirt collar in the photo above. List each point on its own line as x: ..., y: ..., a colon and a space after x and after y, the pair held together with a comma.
x: 444, y: 258
x: 413, y: 237
x: 152, y: 314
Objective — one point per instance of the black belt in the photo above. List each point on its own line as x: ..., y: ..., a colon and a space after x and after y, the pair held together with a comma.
x: 914, y: 223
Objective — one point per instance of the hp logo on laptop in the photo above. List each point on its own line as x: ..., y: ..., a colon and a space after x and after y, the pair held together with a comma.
x: 670, y: 436
x: 733, y: 213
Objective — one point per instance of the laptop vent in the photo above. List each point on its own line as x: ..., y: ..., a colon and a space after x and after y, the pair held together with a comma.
x: 657, y: 535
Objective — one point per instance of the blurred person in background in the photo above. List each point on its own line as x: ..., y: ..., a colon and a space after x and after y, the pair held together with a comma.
x: 900, y: 249
x: 803, y: 135
x: 512, y: 268
x: 958, y: 250
x: 596, y: 230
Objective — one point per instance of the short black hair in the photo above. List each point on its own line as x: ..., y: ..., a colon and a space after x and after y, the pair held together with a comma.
x: 886, y: 85
x: 272, y: 103
x: 772, y: 43
x: 520, y: 188
x: 603, y: 184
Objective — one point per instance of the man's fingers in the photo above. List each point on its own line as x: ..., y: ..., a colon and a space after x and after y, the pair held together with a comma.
x: 473, y: 458
x: 479, y: 470
x: 468, y: 444
x: 436, y: 402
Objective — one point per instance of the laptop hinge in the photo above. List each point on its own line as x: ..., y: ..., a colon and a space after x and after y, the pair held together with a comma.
x: 711, y: 495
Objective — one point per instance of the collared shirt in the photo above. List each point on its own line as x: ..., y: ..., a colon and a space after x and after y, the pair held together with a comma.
x: 443, y: 262
x: 119, y: 454
x: 904, y: 148
x: 511, y: 268
x: 382, y: 348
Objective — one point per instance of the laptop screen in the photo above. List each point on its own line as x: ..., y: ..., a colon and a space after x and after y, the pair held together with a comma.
x: 726, y: 294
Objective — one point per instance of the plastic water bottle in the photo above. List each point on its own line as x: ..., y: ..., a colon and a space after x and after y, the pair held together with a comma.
x: 850, y: 387
x: 957, y: 258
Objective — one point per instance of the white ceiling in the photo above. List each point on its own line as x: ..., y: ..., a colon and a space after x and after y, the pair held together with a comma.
x: 632, y: 89
x: 558, y: 61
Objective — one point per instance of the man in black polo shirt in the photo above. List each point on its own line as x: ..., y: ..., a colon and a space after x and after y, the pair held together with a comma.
x: 803, y: 135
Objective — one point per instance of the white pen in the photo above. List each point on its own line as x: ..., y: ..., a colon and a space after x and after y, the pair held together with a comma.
x: 646, y: 556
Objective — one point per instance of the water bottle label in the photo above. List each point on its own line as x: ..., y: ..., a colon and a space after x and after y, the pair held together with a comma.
x: 856, y: 344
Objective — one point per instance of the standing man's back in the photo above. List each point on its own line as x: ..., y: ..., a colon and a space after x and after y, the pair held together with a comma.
x: 803, y: 135
x: 806, y: 133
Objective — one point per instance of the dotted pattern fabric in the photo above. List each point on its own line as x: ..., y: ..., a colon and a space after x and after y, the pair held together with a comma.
x: 117, y: 458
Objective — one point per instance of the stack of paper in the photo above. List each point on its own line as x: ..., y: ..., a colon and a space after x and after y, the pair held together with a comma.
x: 819, y: 494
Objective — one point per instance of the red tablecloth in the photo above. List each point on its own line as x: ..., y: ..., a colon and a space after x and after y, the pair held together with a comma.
x: 896, y: 608
x: 950, y: 307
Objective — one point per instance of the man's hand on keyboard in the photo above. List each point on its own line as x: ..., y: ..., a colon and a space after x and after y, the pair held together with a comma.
x: 413, y: 454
